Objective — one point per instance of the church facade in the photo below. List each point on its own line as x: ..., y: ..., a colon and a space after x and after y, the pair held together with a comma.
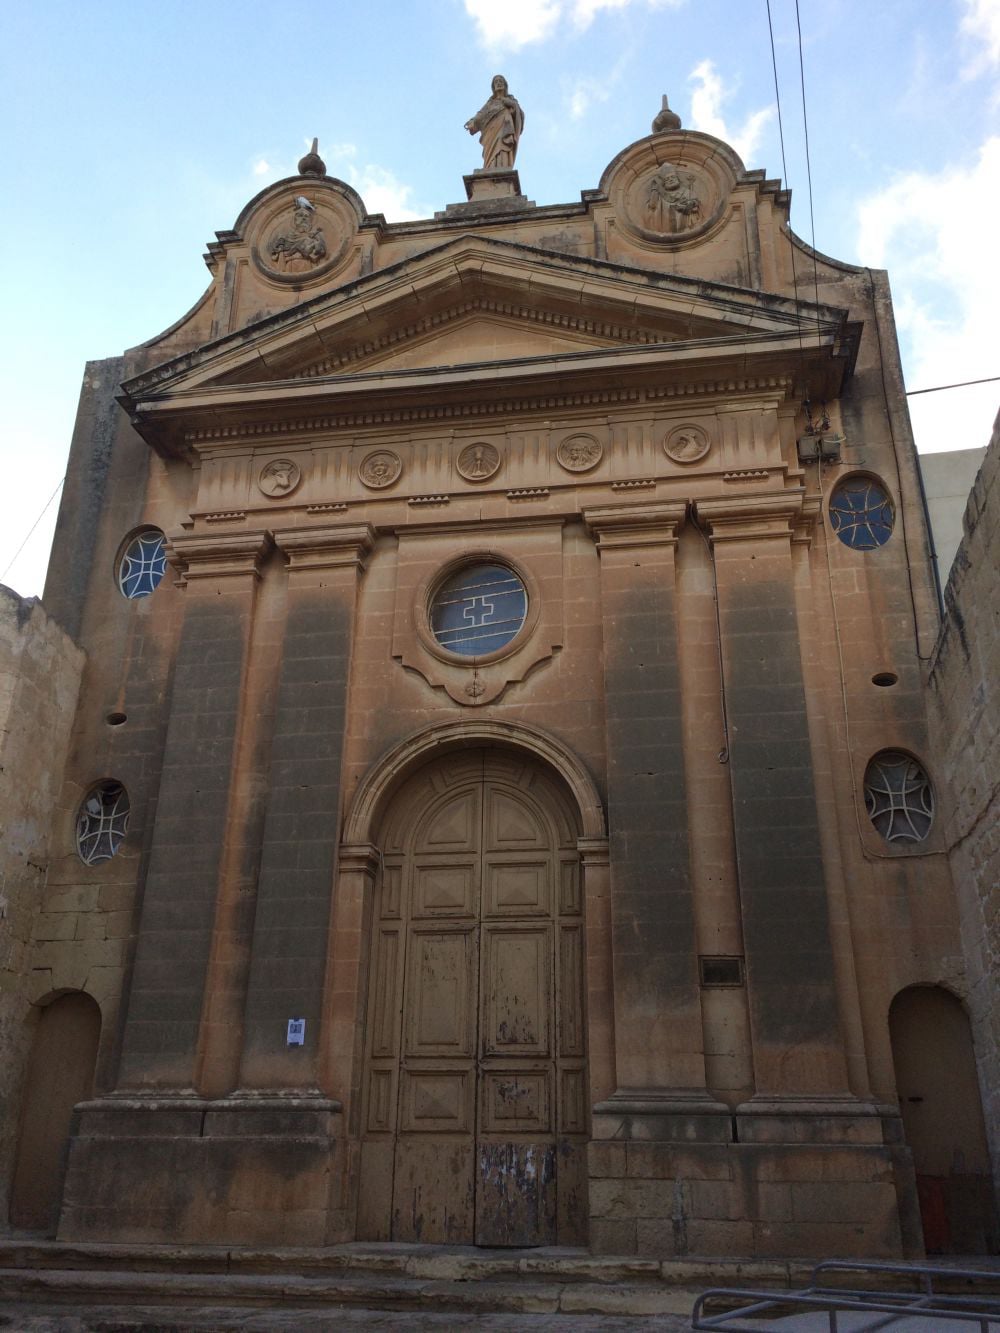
x: 498, y: 808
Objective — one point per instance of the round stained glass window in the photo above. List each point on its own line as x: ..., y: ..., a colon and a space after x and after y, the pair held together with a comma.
x: 861, y: 513
x: 102, y: 822
x: 898, y: 797
x: 479, y: 609
x: 143, y: 563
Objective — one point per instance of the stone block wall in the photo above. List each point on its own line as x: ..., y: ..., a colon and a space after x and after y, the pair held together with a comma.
x: 964, y: 711
x: 40, y: 670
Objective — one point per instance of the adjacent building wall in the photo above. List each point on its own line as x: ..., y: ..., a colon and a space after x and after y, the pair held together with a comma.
x: 964, y: 710
x: 40, y: 670
x: 948, y: 479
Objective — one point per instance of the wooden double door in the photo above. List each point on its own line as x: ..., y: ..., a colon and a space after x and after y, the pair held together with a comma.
x: 475, y: 1115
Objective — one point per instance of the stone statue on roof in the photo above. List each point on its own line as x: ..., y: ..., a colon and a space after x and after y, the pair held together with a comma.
x: 499, y: 123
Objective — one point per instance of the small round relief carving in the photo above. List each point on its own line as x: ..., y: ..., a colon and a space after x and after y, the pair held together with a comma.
x: 478, y: 462
x: 686, y: 444
x: 579, y: 453
x: 279, y: 478
x: 380, y: 469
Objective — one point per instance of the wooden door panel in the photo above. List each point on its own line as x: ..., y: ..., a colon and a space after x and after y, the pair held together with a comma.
x: 516, y: 997
x: 445, y: 889
x: 381, y: 1117
x: 454, y: 826
x: 516, y: 1102
x: 434, y: 1190
x: 384, y: 990
x: 516, y: 888
x: 572, y: 1101
x: 571, y: 1035
x: 437, y: 1101
x: 440, y: 995
x: 516, y: 1197
x: 511, y: 824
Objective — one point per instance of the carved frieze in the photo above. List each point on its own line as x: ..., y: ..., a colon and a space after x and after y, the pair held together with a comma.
x: 380, y: 469
x: 300, y: 237
x: 279, y: 477
x: 686, y: 444
x: 579, y: 452
x: 478, y: 461
x: 673, y: 188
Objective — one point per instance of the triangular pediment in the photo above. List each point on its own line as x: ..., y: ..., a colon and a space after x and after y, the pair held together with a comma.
x: 476, y: 307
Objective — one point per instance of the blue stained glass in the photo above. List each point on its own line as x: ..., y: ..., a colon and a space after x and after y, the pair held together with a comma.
x: 143, y: 564
x: 102, y: 822
x: 861, y: 514
x: 480, y: 609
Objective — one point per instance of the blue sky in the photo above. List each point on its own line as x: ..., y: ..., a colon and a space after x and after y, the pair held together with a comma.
x: 135, y: 131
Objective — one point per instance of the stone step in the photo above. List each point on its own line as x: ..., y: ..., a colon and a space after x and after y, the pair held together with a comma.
x: 419, y: 1262
x: 28, y: 1288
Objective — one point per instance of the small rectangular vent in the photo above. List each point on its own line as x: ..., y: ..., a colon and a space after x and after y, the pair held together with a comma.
x: 717, y: 970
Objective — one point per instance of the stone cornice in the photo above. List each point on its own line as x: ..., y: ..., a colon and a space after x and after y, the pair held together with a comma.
x: 510, y: 309
x: 218, y: 555
x: 361, y: 857
x: 734, y: 518
x: 625, y: 526
x: 328, y: 547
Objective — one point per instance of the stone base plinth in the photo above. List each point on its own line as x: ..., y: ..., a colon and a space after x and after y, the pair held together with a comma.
x: 242, y: 1171
x: 489, y: 192
x: 668, y: 1200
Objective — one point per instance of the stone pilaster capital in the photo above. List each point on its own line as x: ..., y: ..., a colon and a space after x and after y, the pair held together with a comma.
x: 335, y: 544
x: 629, y: 525
x: 360, y: 857
x: 217, y: 555
x: 752, y: 517
x: 594, y: 851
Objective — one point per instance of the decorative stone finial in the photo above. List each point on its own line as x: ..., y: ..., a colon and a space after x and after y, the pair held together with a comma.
x: 666, y: 119
x: 313, y: 165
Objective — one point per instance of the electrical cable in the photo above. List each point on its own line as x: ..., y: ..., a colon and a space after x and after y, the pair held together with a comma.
x: 32, y: 528
x: 964, y: 384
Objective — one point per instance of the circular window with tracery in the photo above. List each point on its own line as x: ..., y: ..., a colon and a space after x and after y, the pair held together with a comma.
x: 102, y: 822
x: 143, y: 563
x: 898, y: 797
x: 479, y: 609
x: 861, y: 513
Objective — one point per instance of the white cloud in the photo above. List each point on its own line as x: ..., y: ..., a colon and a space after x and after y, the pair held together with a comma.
x: 380, y: 189
x: 261, y: 167
x: 707, y: 99
x: 517, y: 23
x: 935, y: 232
x: 981, y: 23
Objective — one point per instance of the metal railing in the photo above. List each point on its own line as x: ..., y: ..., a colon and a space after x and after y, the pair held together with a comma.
x: 768, y: 1310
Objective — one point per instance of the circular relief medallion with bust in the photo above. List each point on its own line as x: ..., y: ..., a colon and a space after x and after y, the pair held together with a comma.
x: 380, y: 469
x: 478, y: 462
x: 279, y: 478
x: 686, y: 444
x: 579, y: 453
x: 302, y: 236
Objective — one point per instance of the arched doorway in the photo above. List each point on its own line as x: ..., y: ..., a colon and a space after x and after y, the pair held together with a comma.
x: 60, y: 1074
x: 943, y: 1120
x: 474, y: 1096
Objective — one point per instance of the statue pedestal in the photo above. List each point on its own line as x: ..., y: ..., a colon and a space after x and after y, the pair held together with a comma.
x: 489, y: 192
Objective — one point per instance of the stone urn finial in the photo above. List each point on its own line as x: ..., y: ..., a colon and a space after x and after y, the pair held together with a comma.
x: 313, y: 165
x: 666, y: 119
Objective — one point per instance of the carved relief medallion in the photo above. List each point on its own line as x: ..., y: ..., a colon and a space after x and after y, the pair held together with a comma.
x: 279, y: 478
x: 579, y: 453
x: 298, y: 244
x: 686, y: 444
x: 478, y: 462
x: 672, y: 202
x: 380, y: 469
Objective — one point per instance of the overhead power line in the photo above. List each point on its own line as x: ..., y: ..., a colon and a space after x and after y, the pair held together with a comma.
x: 963, y: 384
x: 31, y: 529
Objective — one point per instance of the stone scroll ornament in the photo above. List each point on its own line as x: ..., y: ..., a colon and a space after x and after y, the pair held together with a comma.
x: 671, y: 203
x: 498, y: 123
x: 303, y: 245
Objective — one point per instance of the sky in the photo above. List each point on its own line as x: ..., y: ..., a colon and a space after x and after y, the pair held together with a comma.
x: 135, y: 130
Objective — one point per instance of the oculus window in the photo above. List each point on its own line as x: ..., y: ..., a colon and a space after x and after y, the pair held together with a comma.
x: 102, y: 822
x: 898, y: 797
x: 861, y: 513
x: 479, y: 609
x: 143, y: 563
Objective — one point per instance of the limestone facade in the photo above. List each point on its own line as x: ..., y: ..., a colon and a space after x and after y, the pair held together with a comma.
x: 40, y: 669
x: 587, y: 937
x: 965, y: 728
